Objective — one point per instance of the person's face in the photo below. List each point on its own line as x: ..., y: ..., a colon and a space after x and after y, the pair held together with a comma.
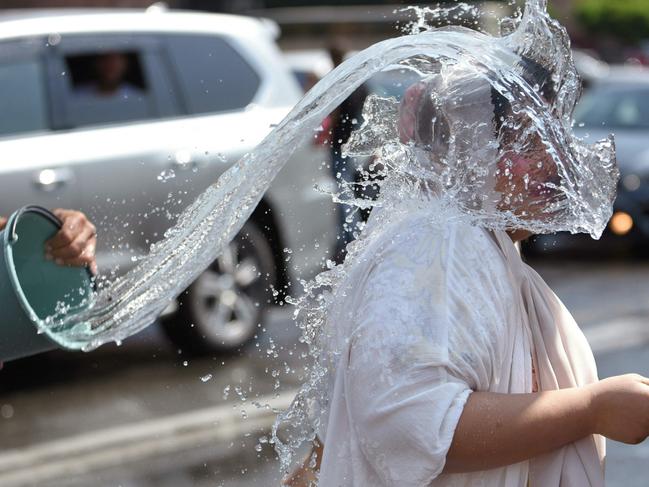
x: 111, y: 68
x: 526, y: 179
x: 526, y: 175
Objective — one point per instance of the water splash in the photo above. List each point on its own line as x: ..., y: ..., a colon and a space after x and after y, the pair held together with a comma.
x: 206, y: 226
x: 484, y: 137
x: 572, y: 184
x: 428, y: 18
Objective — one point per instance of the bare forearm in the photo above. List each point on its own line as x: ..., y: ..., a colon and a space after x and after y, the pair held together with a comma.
x: 502, y: 429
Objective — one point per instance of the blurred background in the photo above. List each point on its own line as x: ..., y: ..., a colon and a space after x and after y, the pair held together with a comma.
x: 128, y: 109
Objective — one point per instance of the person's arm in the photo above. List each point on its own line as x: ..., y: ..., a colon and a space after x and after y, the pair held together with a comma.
x: 502, y: 429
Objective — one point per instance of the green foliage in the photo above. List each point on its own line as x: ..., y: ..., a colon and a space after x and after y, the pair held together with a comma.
x: 553, y: 11
x: 625, y: 19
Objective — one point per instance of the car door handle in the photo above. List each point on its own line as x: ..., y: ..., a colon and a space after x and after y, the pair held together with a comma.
x: 186, y: 159
x: 51, y: 179
x: 183, y: 159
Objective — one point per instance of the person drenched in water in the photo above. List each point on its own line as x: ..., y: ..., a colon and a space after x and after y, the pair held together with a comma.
x: 452, y: 362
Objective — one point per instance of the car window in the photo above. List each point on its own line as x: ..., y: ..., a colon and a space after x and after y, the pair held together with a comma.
x: 212, y: 75
x: 614, y: 107
x: 22, y: 97
x: 107, y: 86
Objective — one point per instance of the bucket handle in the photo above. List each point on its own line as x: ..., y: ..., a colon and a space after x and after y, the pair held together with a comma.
x: 45, y: 213
x: 13, y: 236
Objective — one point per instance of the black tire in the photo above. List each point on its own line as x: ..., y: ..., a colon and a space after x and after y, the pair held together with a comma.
x: 221, y: 310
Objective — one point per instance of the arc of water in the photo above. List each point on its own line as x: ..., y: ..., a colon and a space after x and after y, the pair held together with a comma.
x: 208, y: 225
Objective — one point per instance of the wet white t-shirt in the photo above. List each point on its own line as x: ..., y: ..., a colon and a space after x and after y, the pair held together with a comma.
x: 427, y: 316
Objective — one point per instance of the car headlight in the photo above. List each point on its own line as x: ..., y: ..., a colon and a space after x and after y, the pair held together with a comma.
x: 621, y: 223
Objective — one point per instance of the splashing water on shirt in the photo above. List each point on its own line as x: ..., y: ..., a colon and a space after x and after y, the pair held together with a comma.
x: 484, y: 135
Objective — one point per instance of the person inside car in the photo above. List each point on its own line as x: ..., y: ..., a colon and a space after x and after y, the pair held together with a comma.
x: 110, y: 78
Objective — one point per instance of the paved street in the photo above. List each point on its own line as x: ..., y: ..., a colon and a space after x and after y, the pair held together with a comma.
x: 143, y: 415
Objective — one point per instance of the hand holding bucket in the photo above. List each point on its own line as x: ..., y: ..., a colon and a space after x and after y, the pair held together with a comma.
x: 33, y: 288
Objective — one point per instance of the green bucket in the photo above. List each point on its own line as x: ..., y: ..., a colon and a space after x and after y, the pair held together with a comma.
x: 33, y: 288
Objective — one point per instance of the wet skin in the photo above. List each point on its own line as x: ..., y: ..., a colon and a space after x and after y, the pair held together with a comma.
x: 74, y: 244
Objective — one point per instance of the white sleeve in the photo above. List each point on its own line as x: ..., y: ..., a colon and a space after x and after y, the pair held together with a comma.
x: 405, y: 427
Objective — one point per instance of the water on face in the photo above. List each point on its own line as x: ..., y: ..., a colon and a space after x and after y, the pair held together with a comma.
x: 484, y: 136
x: 483, y: 133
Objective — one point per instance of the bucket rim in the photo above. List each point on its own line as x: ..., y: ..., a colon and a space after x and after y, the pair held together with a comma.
x: 9, y: 238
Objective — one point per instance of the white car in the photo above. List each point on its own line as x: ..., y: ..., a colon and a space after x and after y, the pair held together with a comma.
x: 129, y: 115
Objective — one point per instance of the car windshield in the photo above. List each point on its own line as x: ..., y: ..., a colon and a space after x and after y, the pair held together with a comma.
x: 614, y: 106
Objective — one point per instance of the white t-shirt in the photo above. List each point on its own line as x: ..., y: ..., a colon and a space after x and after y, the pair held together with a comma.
x: 426, y: 316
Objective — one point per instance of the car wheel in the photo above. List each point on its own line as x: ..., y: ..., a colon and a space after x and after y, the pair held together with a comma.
x: 221, y: 310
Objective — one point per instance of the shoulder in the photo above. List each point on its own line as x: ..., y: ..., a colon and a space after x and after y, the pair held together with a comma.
x: 418, y: 266
x: 417, y: 243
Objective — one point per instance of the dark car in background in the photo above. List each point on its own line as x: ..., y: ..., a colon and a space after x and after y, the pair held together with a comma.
x: 616, y: 103
x: 619, y: 104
